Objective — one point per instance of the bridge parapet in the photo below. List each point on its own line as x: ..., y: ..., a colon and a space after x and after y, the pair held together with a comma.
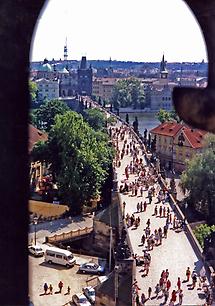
x: 70, y: 235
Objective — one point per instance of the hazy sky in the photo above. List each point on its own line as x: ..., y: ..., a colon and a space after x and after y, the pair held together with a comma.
x: 137, y: 30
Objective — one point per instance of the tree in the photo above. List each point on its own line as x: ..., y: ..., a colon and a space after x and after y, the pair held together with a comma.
x: 95, y: 118
x: 203, y: 231
x: 45, y: 114
x: 40, y: 151
x: 80, y: 158
x: 164, y: 116
x: 199, y: 180
x: 33, y: 90
x: 128, y: 93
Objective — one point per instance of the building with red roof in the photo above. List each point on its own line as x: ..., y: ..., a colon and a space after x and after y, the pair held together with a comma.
x: 35, y: 135
x: 175, y: 143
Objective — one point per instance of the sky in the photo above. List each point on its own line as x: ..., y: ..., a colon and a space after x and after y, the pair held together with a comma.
x: 128, y: 30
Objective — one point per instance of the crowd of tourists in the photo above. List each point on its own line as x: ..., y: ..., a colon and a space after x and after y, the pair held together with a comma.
x: 146, y: 187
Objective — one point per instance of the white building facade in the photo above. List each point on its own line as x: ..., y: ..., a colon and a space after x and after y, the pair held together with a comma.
x: 47, y: 89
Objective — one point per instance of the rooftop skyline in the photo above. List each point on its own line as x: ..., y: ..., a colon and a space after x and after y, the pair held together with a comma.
x: 138, y: 30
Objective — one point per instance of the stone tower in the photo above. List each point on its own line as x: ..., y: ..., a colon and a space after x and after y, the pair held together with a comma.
x: 84, y: 78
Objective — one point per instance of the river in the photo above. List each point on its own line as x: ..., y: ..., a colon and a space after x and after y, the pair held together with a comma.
x: 146, y: 120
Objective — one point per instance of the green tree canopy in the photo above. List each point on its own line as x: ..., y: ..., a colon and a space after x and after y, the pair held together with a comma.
x: 164, y: 116
x: 95, y: 118
x: 44, y: 115
x: 80, y: 158
x: 128, y: 93
x: 40, y: 151
x: 202, y: 231
x: 33, y: 89
x: 199, y: 180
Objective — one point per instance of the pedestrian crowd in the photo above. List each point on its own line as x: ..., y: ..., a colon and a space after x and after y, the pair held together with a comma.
x: 146, y: 181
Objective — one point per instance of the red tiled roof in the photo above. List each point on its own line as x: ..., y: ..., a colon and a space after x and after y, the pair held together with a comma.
x: 167, y: 129
x: 194, y: 137
x: 35, y: 135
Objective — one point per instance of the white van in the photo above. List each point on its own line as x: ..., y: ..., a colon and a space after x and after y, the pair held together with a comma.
x: 59, y: 256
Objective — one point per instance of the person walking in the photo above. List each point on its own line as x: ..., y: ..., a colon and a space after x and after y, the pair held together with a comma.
x: 156, y: 210
x: 164, y: 211
x: 179, y: 284
x: 143, y: 239
x: 147, y: 231
x: 180, y: 296
x: 137, y: 300
x: 135, y: 190
x: 148, y: 223
x: 144, y: 206
x: 141, y: 191
x: 143, y: 299
x: 160, y: 211
x: 68, y: 290
x: 45, y: 287
x: 188, y: 273
x: 149, y: 293
x: 60, y: 286
x: 173, y: 297
x: 167, y: 273
x: 165, y: 231
x: 157, y: 289
x: 166, y: 296
x: 168, y: 284
x: 194, y: 280
x: 50, y: 289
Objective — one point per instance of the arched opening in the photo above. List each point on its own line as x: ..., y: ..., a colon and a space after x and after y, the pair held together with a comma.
x: 162, y: 84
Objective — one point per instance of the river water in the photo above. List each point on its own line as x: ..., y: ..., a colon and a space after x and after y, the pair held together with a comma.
x: 146, y: 120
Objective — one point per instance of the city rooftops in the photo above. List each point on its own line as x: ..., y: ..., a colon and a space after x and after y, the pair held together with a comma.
x: 167, y: 129
x: 194, y: 137
x: 172, y: 129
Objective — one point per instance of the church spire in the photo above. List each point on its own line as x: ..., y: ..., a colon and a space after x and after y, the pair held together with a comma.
x: 163, y: 71
x: 65, y: 55
x: 163, y: 64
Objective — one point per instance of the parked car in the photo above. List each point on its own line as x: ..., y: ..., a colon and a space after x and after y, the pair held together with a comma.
x: 80, y: 300
x: 91, y: 268
x: 90, y: 294
x: 36, y: 250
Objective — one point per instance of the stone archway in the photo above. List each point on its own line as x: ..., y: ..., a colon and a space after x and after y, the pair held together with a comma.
x: 197, y: 106
x: 17, y: 22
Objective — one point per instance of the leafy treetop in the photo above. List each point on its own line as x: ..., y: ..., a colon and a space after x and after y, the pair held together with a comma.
x: 45, y: 114
x: 128, y: 93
